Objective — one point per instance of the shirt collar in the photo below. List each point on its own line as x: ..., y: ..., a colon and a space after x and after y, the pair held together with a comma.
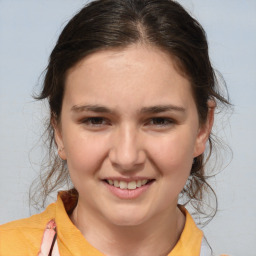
x: 71, y: 240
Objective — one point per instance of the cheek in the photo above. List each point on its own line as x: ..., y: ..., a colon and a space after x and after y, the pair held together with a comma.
x: 173, y: 155
x: 84, y: 154
x: 175, y: 147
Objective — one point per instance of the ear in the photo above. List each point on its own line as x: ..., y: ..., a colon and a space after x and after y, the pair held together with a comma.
x: 205, y: 130
x: 58, y: 138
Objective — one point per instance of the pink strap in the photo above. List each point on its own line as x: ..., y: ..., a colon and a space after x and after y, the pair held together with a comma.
x: 49, y: 245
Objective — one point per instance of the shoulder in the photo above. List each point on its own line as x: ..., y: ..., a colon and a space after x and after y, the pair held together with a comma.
x: 23, y: 237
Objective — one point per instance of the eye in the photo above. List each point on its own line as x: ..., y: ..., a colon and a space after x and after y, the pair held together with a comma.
x: 95, y: 121
x: 160, y: 121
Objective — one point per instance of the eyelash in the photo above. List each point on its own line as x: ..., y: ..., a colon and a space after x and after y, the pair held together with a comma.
x: 155, y: 121
x: 91, y: 121
x: 163, y: 121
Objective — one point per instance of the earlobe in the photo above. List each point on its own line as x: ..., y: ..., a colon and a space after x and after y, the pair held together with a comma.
x: 61, y: 153
x: 58, y: 139
x: 205, y: 130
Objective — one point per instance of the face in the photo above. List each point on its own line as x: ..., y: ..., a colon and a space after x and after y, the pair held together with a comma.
x: 130, y: 130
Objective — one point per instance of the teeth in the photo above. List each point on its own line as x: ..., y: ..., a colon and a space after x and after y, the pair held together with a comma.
x: 127, y: 185
x: 116, y: 183
x: 138, y: 183
x: 132, y: 185
x: 110, y: 182
x: 143, y: 182
x: 123, y: 185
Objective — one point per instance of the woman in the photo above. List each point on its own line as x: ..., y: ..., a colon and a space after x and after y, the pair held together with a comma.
x: 132, y: 95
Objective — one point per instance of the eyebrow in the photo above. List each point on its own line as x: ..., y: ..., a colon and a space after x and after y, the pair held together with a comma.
x: 145, y: 110
x: 92, y: 108
x: 162, y: 108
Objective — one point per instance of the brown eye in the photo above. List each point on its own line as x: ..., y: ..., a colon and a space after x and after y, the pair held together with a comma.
x: 95, y: 121
x: 161, y: 121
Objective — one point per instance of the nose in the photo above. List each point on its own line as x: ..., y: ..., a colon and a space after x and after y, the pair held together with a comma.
x: 127, y: 153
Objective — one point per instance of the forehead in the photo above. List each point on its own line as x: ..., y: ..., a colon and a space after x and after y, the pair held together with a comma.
x: 139, y: 73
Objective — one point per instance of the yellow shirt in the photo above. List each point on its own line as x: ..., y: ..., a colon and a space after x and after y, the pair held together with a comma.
x: 23, y: 237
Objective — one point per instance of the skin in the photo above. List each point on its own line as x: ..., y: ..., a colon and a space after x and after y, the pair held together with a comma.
x: 109, y: 127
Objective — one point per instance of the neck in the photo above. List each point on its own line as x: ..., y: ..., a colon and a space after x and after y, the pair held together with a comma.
x: 159, y: 234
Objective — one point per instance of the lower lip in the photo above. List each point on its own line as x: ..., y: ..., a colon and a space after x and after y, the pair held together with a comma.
x: 128, y: 193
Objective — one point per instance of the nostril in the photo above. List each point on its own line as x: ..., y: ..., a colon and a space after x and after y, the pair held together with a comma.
x: 127, y: 156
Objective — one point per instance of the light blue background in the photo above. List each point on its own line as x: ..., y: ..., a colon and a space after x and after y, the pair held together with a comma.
x: 28, y: 31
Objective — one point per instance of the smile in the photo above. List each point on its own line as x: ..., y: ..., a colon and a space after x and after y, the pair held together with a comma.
x: 128, y: 189
x: 131, y: 185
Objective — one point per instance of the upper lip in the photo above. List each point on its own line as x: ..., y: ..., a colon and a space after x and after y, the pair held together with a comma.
x: 127, y: 179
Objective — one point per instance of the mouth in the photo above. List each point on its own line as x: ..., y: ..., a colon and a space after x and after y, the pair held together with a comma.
x: 131, y: 185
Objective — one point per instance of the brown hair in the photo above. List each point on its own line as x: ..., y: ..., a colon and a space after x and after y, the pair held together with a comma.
x: 104, y: 24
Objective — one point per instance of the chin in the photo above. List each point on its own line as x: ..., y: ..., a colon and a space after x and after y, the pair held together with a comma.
x: 127, y: 222
x: 128, y: 218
